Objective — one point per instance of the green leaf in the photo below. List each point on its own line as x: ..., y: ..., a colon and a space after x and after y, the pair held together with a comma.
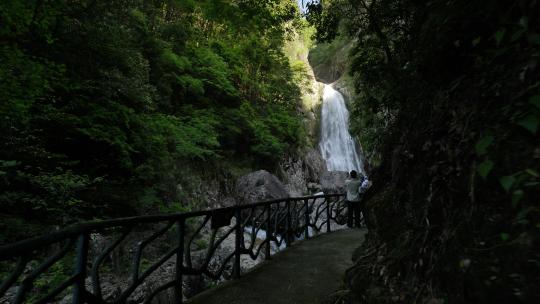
x: 530, y: 122
x: 516, y: 197
x: 507, y: 182
x: 485, y: 167
x: 482, y: 145
x: 535, y: 100
x: 524, y: 22
x: 8, y: 163
x: 505, y: 237
x: 521, y: 217
x: 532, y: 172
x: 499, y: 36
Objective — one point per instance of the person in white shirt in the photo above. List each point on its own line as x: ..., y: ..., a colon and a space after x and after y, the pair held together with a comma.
x: 353, y: 199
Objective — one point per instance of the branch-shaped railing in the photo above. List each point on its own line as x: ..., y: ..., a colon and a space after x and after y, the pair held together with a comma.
x: 182, y: 245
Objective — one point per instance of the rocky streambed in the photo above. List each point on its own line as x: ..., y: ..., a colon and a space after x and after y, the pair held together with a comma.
x: 298, y: 176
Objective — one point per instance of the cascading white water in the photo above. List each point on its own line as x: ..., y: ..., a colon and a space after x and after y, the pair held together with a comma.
x: 336, y: 144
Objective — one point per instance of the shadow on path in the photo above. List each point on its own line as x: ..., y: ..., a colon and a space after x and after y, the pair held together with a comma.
x: 305, y: 273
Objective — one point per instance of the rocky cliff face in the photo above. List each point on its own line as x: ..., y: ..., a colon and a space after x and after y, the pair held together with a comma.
x: 302, y: 173
x: 310, y: 109
x: 334, y: 181
x: 330, y: 60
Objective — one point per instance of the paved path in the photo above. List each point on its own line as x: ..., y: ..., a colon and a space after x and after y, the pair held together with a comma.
x: 305, y: 273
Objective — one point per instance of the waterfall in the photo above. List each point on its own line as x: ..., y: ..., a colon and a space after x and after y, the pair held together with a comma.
x: 336, y: 144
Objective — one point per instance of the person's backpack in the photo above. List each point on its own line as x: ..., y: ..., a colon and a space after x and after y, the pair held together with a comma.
x: 364, y: 186
x: 362, y: 179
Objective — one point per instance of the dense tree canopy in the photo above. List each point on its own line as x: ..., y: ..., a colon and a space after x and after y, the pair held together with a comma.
x: 103, y: 102
x: 449, y: 100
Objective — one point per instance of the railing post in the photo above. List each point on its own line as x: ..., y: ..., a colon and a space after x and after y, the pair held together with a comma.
x: 306, y: 219
x: 79, y: 289
x: 268, y: 248
x: 178, y: 288
x: 328, y: 214
x: 288, y: 224
x: 238, y: 238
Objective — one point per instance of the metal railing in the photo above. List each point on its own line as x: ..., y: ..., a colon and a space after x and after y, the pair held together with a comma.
x: 279, y: 222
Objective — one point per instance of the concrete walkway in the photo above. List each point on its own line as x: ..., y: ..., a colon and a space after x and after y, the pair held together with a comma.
x: 305, y: 273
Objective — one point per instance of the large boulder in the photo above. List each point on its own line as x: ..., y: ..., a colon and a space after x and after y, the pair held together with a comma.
x: 334, y: 181
x: 259, y: 186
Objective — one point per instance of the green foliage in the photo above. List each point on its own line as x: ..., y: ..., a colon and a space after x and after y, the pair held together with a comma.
x: 485, y: 167
x: 55, y: 275
x: 267, y: 130
x: 530, y: 122
x: 323, y: 17
x: 330, y: 50
x: 174, y: 207
x: 535, y: 100
x: 507, y: 182
x: 450, y: 103
x: 191, y: 136
x: 104, y: 103
x: 201, y: 244
x: 483, y: 144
